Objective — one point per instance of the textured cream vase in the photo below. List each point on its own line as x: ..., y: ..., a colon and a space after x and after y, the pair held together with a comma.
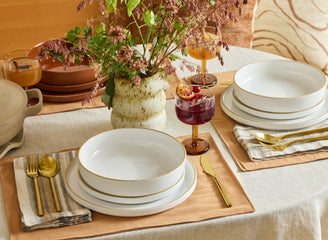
x: 139, y: 107
x: 296, y: 29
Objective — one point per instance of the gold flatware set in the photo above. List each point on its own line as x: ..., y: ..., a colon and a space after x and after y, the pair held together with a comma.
x: 47, y: 167
x: 270, y: 142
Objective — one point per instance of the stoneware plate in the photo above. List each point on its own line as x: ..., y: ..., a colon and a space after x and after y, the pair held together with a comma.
x: 69, y: 88
x: 291, y: 124
x: 68, y: 97
x: 129, y: 210
x: 277, y: 115
x: 129, y: 200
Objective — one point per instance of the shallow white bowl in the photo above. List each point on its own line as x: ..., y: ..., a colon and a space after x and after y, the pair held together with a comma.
x: 280, y: 86
x: 131, y: 161
x: 129, y: 200
x: 277, y: 115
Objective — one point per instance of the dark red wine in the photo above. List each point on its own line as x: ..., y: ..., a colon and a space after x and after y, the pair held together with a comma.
x: 198, y: 110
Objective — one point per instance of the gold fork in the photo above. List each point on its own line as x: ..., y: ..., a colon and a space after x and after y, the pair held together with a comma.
x: 32, y: 171
x: 282, y: 147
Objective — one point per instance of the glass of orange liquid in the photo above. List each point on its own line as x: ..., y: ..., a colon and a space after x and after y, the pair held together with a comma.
x: 22, y: 67
x: 205, y: 50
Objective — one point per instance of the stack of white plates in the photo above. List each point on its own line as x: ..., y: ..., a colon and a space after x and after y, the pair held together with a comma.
x: 131, y: 172
x: 277, y: 95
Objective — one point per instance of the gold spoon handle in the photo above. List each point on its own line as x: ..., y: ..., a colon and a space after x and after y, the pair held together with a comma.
x: 223, y: 193
x: 38, y: 197
x: 307, y: 140
x: 54, y: 194
x: 305, y: 132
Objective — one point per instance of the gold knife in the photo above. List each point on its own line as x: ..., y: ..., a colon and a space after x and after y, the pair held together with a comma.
x: 209, y: 170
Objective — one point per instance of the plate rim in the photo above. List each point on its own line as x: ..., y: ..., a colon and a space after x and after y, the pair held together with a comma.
x: 129, y: 212
x: 274, y: 124
x: 129, y: 199
x: 279, y: 115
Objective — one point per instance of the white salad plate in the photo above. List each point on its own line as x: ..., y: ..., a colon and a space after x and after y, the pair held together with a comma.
x: 237, y: 114
x: 280, y: 85
x: 129, y: 210
x: 129, y: 200
x: 276, y: 115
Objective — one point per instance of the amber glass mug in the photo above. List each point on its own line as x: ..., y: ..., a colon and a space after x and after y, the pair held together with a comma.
x: 22, y: 67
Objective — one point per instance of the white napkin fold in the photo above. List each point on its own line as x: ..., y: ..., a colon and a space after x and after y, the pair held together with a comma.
x: 72, y: 213
x: 256, y: 152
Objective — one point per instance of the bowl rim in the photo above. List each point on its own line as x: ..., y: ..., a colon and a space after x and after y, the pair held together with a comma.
x: 181, y: 178
x: 280, y: 60
x: 133, y: 180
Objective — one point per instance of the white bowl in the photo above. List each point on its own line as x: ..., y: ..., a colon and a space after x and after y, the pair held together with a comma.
x: 280, y: 86
x: 132, y: 161
x: 277, y: 115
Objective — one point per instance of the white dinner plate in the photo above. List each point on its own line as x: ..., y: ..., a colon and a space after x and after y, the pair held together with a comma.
x: 129, y: 210
x: 276, y: 115
x: 129, y: 200
x: 291, y: 124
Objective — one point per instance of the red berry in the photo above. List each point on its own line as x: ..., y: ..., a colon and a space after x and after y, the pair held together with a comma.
x: 196, y: 89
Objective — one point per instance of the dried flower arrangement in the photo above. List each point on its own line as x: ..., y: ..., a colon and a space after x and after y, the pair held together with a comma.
x: 160, y: 27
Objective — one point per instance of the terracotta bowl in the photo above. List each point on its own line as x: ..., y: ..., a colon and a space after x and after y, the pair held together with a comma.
x: 53, y: 72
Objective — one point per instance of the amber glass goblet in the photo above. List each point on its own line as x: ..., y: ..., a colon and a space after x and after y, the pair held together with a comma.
x: 195, y: 111
x: 204, y: 51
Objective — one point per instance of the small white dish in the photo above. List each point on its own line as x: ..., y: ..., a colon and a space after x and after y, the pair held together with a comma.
x: 129, y: 200
x: 290, y: 124
x: 280, y: 85
x: 129, y: 210
x: 16, y: 142
x: 277, y: 115
x: 131, y: 161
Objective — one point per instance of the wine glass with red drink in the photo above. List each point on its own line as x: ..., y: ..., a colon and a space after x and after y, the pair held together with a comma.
x: 195, y: 105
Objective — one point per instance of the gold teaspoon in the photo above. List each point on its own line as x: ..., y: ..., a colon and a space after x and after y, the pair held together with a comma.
x: 267, y: 138
x: 282, y: 147
x: 48, y: 167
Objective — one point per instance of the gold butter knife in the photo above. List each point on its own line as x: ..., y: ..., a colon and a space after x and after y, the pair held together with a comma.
x: 209, y: 170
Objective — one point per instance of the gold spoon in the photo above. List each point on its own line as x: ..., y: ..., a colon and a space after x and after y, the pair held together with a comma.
x: 267, y: 138
x: 48, y: 167
x: 282, y: 147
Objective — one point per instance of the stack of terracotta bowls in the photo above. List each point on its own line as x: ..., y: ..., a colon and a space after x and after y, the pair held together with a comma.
x: 278, y: 94
x: 133, y: 172
x: 66, y: 83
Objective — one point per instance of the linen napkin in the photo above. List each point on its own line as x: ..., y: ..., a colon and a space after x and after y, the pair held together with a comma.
x: 72, y: 213
x: 256, y: 152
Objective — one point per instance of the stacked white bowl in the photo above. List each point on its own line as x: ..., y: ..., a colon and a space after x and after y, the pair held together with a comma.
x: 131, y: 165
x: 279, y: 89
